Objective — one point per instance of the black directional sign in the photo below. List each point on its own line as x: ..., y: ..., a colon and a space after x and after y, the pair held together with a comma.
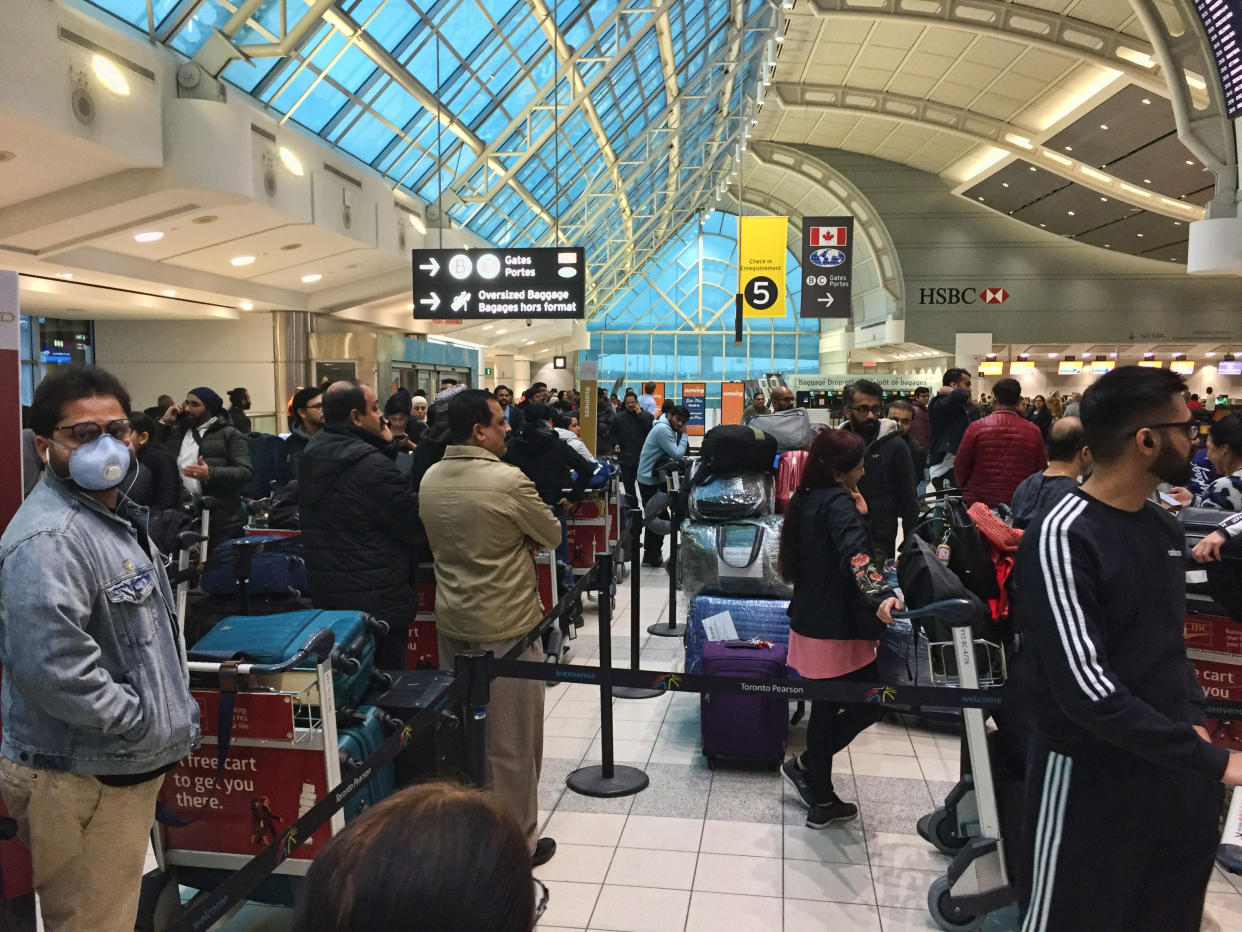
x: 827, y: 266
x: 478, y: 284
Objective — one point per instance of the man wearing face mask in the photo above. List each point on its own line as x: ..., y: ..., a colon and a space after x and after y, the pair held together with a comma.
x: 888, y: 484
x: 212, y: 456
x: 1120, y: 769
x: 95, y: 701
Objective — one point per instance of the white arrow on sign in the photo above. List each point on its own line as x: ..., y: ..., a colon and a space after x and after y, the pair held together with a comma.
x: 432, y: 303
x: 825, y: 300
x: 432, y: 266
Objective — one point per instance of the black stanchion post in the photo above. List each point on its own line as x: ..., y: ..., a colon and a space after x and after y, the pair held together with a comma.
x: 473, y: 667
x: 673, y: 629
x: 635, y: 692
x: 606, y: 779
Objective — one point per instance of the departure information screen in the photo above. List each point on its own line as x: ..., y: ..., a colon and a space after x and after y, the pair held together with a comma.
x: 1222, y: 20
x: 476, y: 284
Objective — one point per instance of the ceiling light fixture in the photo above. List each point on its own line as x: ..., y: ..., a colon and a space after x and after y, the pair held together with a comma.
x: 1146, y: 100
x: 65, y: 275
x: 239, y: 261
x: 291, y: 162
x: 499, y: 332
x: 169, y: 293
x: 311, y: 279
x: 1103, y: 126
x: 246, y: 305
x: 1210, y: 355
x: 110, y: 76
x: 1052, y: 355
x: 150, y: 236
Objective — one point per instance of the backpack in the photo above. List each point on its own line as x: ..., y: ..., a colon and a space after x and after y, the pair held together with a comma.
x: 732, y: 448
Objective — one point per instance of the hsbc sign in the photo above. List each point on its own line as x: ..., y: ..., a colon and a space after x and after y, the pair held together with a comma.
x: 963, y: 296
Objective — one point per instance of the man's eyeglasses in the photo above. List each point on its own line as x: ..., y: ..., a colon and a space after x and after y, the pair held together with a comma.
x: 866, y: 409
x: 1191, y: 427
x: 316, y: 405
x: 86, y: 431
x: 541, y: 899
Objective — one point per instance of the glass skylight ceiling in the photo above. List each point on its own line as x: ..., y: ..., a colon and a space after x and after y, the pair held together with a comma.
x: 619, y: 120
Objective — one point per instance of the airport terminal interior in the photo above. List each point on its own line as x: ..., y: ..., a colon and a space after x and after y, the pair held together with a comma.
x: 728, y: 196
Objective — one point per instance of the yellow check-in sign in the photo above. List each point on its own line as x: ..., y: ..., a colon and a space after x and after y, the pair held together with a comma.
x: 761, y: 266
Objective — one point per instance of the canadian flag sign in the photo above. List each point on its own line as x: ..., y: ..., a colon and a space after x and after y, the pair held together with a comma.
x: 827, y: 236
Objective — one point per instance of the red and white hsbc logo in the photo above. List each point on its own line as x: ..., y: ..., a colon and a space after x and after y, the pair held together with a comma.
x: 828, y: 236
x: 963, y: 295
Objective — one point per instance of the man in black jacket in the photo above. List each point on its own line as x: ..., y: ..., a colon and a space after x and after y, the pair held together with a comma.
x: 901, y: 413
x: 1120, y: 769
x: 888, y: 484
x: 949, y: 413
x: 605, y: 424
x: 631, y: 428
x: 212, y: 456
x: 547, y: 460
x: 358, y: 515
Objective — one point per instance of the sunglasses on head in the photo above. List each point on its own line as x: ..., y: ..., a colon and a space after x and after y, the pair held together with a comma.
x: 86, y: 431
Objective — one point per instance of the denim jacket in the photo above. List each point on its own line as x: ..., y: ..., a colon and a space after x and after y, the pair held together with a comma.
x: 95, y: 678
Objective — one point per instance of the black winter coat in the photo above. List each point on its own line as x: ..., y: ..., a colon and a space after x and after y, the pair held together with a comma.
x: 224, y: 450
x: 154, y: 480
x: 948, y: 416
x: 546, y: 460
x: 837, y: 587
x: 889, y: 485
x: 358, y: 517
x: 631, y: 429
x: 605, y: 429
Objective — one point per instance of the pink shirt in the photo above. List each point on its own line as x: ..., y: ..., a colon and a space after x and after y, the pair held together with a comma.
x: 825, y: 658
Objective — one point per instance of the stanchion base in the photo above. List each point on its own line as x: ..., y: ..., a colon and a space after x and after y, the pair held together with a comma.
x: 662, y: 630
x: 590, y: 781
x: 635, y: 692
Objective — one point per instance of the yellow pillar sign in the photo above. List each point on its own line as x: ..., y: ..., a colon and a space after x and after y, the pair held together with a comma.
x: 588, y: 413
x: 761, y: 266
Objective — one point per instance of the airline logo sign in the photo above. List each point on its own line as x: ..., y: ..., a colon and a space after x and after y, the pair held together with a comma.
x: 989, y: 295
x: 827, y: 266
x: 827, y: 236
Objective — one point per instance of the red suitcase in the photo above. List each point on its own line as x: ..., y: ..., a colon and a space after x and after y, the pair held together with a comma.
x: 788, y: 475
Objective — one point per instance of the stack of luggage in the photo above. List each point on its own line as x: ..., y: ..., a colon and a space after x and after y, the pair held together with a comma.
x: 727, y: 567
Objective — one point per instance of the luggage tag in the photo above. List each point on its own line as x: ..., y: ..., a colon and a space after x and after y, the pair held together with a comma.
x: 944, y: 551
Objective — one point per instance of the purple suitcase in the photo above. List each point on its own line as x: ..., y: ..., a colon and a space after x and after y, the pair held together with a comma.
x: 755, y: 727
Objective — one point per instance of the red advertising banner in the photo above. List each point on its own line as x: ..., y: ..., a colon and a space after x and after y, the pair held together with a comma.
x: 658, y: 395
x: 255, y: 715
x: 732, y: 402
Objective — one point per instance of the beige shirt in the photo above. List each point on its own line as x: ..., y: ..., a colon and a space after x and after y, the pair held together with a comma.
x: 478, y: 512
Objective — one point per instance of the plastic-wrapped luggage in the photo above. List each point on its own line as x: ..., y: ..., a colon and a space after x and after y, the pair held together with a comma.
x: 788, y: 475
x: 792, y: 428
x: 728, y: 498
x: 274, y: 638
x: 765, y: 619
x: 732, y: 558
x: 755, y: 727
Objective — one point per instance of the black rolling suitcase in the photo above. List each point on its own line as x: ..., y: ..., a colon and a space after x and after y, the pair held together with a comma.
x: 440, y: 751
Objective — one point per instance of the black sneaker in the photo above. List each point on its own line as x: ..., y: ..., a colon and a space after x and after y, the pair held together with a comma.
x: 544, y: 849
x: 797, y: 777
x: 826, y: 814
x: 655, y: 562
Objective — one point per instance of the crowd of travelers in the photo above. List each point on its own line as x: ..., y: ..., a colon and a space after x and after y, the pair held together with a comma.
x: 96, y: 706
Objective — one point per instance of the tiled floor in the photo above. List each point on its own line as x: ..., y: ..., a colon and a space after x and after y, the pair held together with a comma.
x: 728, y: 849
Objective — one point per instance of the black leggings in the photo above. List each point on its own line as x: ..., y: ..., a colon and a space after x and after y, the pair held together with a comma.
x: 832, y: 726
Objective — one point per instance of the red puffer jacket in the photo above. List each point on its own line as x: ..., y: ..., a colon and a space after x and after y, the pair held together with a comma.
x: 995, y: 455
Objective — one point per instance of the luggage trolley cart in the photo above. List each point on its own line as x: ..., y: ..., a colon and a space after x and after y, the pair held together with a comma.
x: 979, y: 879
x: 282, y: 757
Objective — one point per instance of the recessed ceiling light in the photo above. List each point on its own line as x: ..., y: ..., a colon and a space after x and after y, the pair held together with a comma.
x: 488, y: 326
x: 1070, y: 213
x: 1146, y: 100
x: 1103, y: 126
x: 499, y: 332
x: 169, y: 293
x: 241, y: 260
x: 1139, y: 235
x: 1069, y: 148
x: 1177, y: 223
x: 110, y: 76
x: 1004, y: 184
x: 1103, y: 200
x: 529, y: 342
x: 780, y: 38
x: 150, y: 236
x: 1190, y: 161
x: 205, y: 218
x: 1033, y: 168
x: 1043, y: 226
x: 246, y: 305
x: 1052, y: 355
x: 980, y: 198
x: 1112, y: 355
x: 1146, y: 181
x: 291, y: 162
x: 1210, y: 355
x: 65, y: 275
x: 311, y: 279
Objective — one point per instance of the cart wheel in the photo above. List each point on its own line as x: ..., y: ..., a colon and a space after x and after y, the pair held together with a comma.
x: 938, y: 828
x: 944, y: 914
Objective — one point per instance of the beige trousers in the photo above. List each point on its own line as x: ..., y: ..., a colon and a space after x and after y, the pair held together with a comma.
x: 514, y: 733
x: 88, y: 843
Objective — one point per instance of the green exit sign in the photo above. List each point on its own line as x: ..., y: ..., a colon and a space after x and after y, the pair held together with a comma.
x: 488, y: 371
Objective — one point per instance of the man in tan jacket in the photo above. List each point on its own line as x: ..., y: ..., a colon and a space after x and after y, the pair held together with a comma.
x: 484, y: 519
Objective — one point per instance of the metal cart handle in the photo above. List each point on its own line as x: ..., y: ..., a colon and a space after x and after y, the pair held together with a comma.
x: 954, y: 612
x: 319, y: 645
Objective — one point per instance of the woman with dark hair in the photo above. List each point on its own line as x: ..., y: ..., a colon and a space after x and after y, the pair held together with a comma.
x: 1224, y: 450
x: 436, y: 857
x: 1041, y: 417
x: 838, y: 611
x: 153, y: 481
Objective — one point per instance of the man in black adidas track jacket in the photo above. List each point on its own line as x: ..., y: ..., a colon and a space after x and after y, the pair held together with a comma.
x: 1123, y: 789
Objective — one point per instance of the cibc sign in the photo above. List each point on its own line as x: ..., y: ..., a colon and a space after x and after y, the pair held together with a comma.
x: 963, y: 296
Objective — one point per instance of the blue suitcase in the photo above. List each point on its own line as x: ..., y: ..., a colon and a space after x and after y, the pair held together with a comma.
x: 754, y: 727
x: 276, y: 569
x: 357, y: 742
x: 273, y: 638
x: 761, y: 618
